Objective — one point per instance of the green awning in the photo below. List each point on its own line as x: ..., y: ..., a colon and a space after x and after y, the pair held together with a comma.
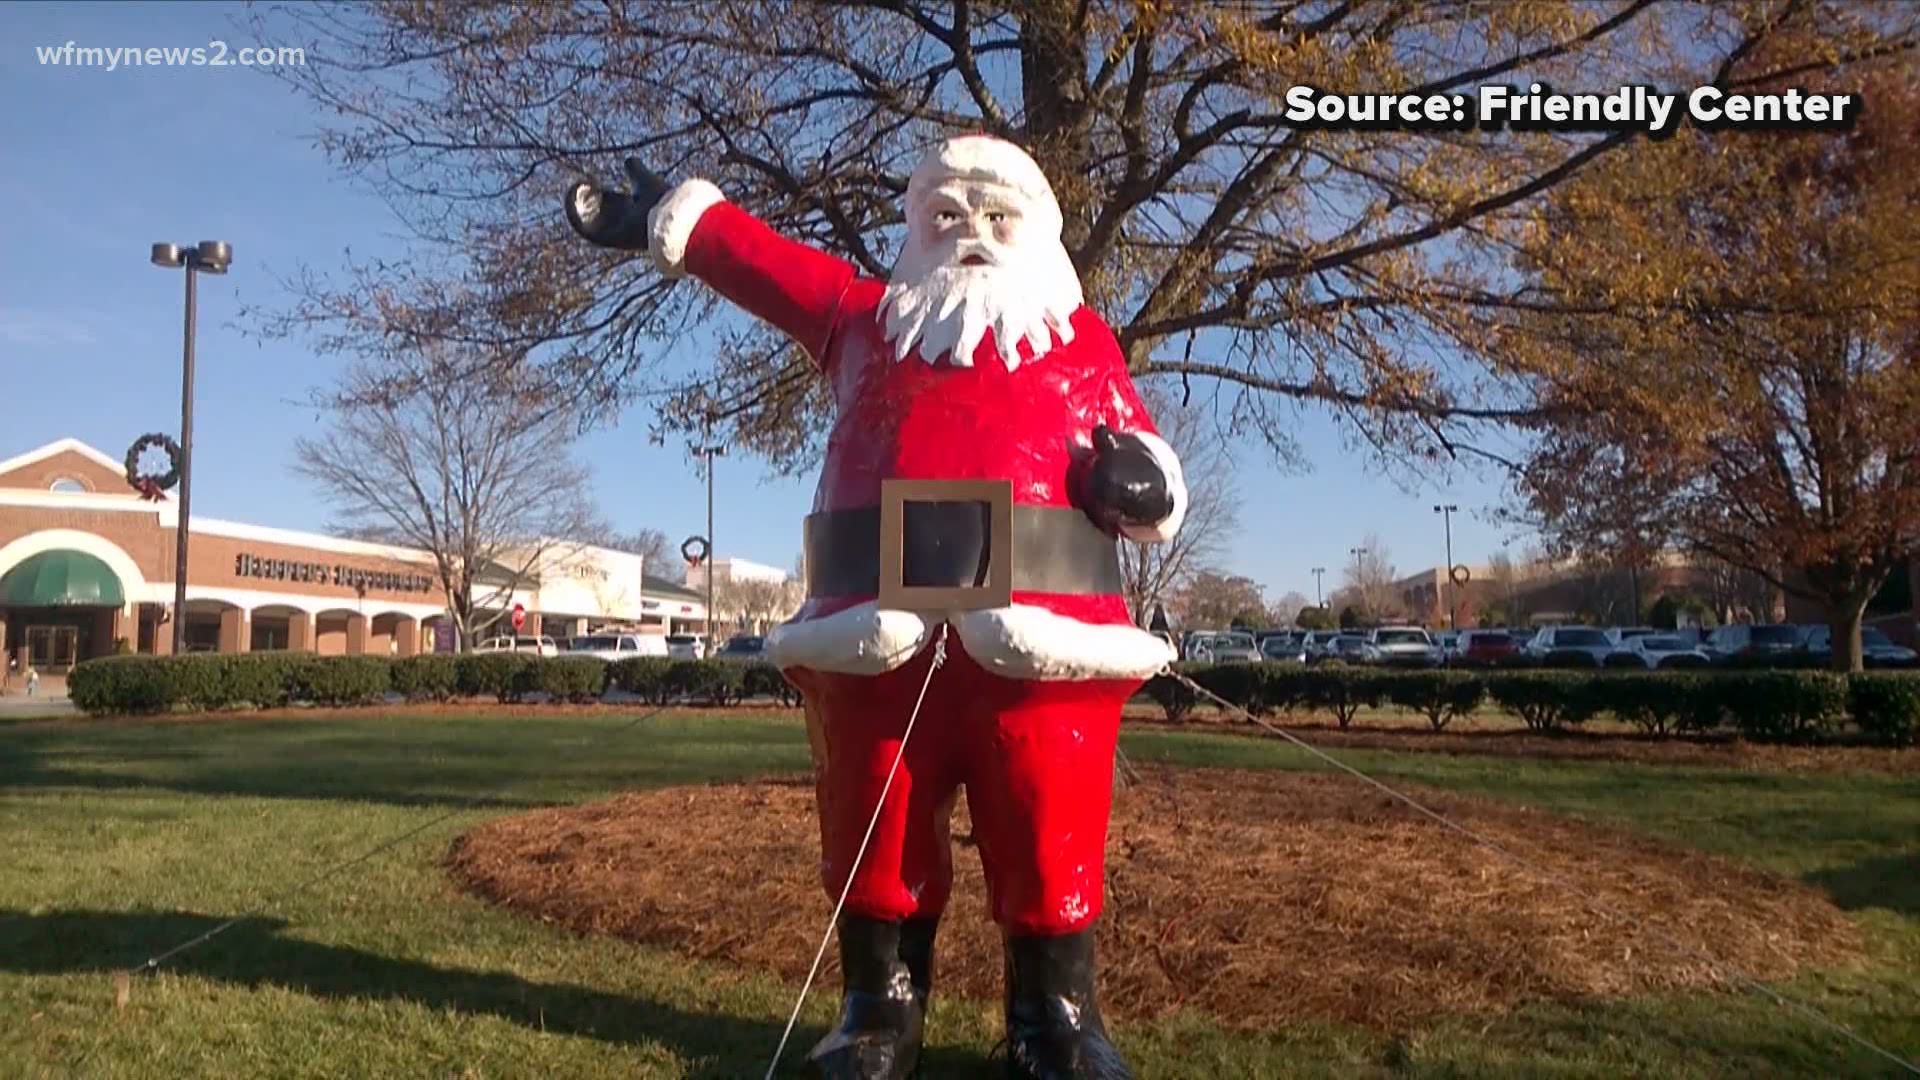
x: 61, y: 579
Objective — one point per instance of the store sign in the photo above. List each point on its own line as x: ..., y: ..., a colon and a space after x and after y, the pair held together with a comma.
x: 356, y: 578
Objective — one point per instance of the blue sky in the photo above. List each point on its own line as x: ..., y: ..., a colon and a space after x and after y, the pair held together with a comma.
x: 96, y: 165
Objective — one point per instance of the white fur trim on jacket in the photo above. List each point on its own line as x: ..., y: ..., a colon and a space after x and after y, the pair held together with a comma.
x: 1018, y: 642
x: 1163, y: 530
x: 670, y: 224
x: 862, y: 640
x: 1027, y: 642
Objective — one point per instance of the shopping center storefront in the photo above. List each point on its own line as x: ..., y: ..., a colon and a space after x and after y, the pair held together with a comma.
x: 87, y: 569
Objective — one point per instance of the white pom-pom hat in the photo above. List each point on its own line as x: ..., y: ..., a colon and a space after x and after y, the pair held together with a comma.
x: 990, y: 159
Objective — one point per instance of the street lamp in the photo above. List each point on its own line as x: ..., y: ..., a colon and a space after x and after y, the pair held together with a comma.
x: 1453, y: 606
x: 1319, y: 600
x: 212, y: 257
x: 710, y: 452
x: 1359, y: 576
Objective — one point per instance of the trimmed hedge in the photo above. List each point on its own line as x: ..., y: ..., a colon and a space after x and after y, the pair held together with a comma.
x: 766, y: 680
x: 1440, y: 696
x: 341, y: 680
x: 1547, y: 700
x: 503, y: 676
x: 427, y: 677
x: 1886, y: 707
x: 1764, y: 706
x: 574, y: 679
x: 1342, y: 690
x: 713, y: 682
x: 1174, y: 697
x: 645, y: 676
x: 1760, y: 705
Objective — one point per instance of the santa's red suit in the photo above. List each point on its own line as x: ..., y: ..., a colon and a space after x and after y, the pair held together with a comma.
x: 1026, y: 711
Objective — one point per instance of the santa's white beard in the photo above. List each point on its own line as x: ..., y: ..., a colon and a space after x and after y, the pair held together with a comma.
x: 937, y: 307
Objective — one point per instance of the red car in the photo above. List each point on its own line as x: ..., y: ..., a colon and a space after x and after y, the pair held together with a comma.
x: 1488, y: 648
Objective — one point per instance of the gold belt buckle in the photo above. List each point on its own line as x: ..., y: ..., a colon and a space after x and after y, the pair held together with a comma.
x: 896, y: 594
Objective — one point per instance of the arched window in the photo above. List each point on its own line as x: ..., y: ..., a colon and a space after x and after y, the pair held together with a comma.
x: 69, y: 486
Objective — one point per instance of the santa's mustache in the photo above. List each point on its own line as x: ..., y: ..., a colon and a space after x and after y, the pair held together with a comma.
x: 975, y: 253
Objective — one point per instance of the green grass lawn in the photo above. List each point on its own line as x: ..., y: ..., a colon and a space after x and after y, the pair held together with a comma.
x: 120, y: 840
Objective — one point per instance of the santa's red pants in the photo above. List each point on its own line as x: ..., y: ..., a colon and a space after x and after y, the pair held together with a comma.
x: 1037, y: 762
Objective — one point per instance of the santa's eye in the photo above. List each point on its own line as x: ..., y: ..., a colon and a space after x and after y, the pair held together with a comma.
x: 996, y: 216
x: 945, y: 217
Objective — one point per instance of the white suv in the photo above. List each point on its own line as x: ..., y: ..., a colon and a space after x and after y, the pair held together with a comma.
x: 1571, y: 639
x: 539, y: 646
x: 611, y: 647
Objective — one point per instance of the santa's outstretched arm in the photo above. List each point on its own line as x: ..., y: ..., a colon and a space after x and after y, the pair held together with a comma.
x: 1134, y: 485
x: 691, y: 228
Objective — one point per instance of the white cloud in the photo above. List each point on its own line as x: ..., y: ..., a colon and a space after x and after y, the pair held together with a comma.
x: 42, y: 329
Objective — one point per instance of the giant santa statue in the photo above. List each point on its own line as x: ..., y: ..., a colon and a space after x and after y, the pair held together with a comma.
x: 977, y: 361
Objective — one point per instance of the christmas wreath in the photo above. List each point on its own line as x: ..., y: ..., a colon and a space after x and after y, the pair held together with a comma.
x: 148, y: 485
x: 694, y: 550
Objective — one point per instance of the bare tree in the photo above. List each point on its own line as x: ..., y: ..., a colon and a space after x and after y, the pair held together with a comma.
x: 475, y: 472
x: 1233, y: 247
x: 1154, y: 572
x: 1369, y: 582
x: 751, y: 604
x: 1216, y: 601
x: 1285, y: 610
x: 649, y: 544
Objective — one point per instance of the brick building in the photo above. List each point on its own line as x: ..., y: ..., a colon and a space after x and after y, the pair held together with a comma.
x: 86, y: 562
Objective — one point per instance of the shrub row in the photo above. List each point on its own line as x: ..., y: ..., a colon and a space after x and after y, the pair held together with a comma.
x: 1765, y: 706
x: 203, y: 681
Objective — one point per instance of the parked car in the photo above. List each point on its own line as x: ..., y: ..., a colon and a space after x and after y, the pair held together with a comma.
x: 1876, y: 648
x: 1317, y: 642
x: 1232, y: 647
x: 1284, y: 649
x: 1403, y: 646
x: 1659, y: 650
x: 1565, y: 640
x: 1754, y: 640
x: 1349, y: 649
x: 686, y: 646
x: 539, y: 646
x: 1620, y: 635
x: 743, y: 649
x: 611, y: 647
x: 1488, y: 648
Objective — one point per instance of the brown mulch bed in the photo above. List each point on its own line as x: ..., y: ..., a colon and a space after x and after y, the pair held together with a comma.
x: 1257, y: 897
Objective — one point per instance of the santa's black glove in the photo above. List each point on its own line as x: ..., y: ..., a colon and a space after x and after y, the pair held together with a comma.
x: 1124, y: 484
x: 614, y: 219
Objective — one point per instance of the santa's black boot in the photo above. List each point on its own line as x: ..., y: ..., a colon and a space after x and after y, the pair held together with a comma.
x: 916, y: 950
x: 881, y: 1015
x: 1053, y: 1021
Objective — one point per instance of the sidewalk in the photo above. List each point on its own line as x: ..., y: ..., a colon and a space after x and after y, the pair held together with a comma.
x: 50, y: 699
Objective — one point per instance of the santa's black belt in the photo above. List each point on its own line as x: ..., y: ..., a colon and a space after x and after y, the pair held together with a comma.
x: 946, y: 544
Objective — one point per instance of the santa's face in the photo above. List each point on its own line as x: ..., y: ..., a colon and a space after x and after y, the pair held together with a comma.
x: 976, y: 260
x: 971, y: 223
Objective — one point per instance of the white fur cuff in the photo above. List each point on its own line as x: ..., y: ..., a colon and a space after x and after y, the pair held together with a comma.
x: 862, y: 640
x: 1163, y: 530
x: 1029, y: 642
x: 670, y: 224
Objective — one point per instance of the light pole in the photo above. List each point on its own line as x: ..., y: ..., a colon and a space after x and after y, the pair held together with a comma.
x: 1319, y: 598
x: 1359, y: 583
x: 213, y: 257
x: 1453, y: 606
x: 710, y: 452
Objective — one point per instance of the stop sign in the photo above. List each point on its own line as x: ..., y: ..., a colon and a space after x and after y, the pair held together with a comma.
x: 519, y: 616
